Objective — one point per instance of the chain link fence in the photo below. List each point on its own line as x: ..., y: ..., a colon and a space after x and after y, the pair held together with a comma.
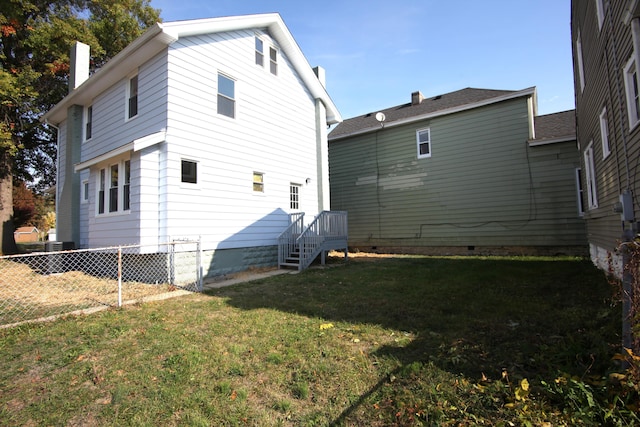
x: 52, y: 283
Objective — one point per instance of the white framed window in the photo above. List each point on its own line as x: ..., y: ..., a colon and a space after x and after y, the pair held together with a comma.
x: 113, y: 188
x: 226, y: 96
x: 259, y: 45
x: 84, y: 198
x: 294, y: 196
x: 580, y: 61
x: 590, y: 176
x: 600, y: 12
x: 189, y: 171
x: 604, y: 133
x: 88, y: 123
x: 580, y: 192
x: 423, y: 138
x: 632, y: 92
x: 273, y: 61
x: 132, y: 97
x: 258, y: 182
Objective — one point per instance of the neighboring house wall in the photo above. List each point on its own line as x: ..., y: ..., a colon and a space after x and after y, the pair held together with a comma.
x: 603, y: 50
x: 483, y: 186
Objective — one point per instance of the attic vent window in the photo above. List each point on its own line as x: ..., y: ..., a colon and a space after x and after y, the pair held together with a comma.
x: 273, y: 58
x: 259, y: 52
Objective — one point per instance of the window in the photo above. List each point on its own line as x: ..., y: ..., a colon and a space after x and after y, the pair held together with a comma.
x: 273, y: 56
x: 113, y: 188
x: 88, y: 123
x: 258, y: 182
x: 424, y: 143
x: 126, y: 197
x: 604, y: 133
x: 226, y: 96
x: 579, y: 59
x: 600, y: 12
x: 294, y: 196
x: 633, y: 94
x: 590, y: 173
x: 580, y: 192
x: 118, y: 196
x: 259, y: 52
x: 85, y: 191
x: 132, y: 95
x: 189, y: 172
x: 101, y: 188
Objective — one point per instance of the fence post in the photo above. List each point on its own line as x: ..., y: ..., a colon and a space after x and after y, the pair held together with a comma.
x: 199, y: 270
x: 119, y: 276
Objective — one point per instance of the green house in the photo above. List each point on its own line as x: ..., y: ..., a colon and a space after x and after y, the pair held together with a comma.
x: 471, y: 171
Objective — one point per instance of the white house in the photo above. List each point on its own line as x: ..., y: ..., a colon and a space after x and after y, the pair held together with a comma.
x: 211, y: 127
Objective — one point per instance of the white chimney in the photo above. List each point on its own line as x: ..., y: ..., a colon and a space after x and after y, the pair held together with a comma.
x: 320, y: 73
x: 79, y: 65
x: 416, y: 98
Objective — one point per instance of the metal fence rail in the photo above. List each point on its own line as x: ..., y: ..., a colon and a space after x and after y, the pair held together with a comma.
x: 45, y: 284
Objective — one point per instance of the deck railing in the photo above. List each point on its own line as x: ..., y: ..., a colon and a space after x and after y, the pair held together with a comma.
x: 287, y: 240
x: 328, y: 231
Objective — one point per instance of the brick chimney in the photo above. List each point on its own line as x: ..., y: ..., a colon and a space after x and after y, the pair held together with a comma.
x: 79, y: 65
x: 416, y: 98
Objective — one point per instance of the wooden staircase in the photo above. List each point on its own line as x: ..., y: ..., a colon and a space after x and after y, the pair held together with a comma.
x: 299, y: 246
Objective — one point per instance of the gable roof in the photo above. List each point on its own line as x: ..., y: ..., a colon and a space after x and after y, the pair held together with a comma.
x: 556, y: 127
x: 161, y: 35
x: 448, y: 103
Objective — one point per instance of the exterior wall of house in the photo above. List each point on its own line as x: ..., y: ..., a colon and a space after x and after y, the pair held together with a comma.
x: 68, y: 186
x: 483, y: 186
x: 605, y: 51
x: 273, y: 133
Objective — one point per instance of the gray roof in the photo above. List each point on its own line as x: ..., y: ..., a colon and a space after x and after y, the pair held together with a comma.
x: 429, y: 106
x: 556, y: 126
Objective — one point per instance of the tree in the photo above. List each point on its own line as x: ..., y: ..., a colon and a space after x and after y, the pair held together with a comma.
x: 35, y: 41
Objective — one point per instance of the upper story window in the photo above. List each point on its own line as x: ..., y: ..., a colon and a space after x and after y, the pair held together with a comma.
x: 88, y: 124
x: 604, y: 133
x: 189, y: 172
x: 84, y: 198
x: 113, y: 186
x: 259, y: 52
x: 258, y: 182
x: 632, y: 92
x: 226, y: 96
x: 590, y: 172
x: 132, y: 97
x: 273, y: 59
x: 423, y: 138
x: 580, y: 61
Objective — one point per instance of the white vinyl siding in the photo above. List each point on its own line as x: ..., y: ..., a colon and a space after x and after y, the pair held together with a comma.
x: 274, y: 125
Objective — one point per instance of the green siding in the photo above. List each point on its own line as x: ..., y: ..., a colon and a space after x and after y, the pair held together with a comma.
x: 483, y: 185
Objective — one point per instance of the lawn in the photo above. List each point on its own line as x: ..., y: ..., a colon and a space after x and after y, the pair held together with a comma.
x: 391, y: 341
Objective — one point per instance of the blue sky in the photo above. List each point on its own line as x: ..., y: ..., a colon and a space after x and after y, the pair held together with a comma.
x: 376, y: 52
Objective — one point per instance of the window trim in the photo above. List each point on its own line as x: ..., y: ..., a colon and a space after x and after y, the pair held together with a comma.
x: 259, y: 52
x: 104, y: 188
x: 604, y: 133
x: 258, y: 186
x: 225, y: 96
x: 184, y: 161
x: 88, y: 123
x: 632, y: 92
x: 419, y: 143
x: 590, y: 175
x: 294, y: 196
x: 128, y: 97
x: 580, y: 60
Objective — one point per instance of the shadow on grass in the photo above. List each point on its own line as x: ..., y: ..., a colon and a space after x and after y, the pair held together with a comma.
x: 472, y: 317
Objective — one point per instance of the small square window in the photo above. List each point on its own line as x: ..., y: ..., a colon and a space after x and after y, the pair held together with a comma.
x: 258, y: 182
x: 189, y: 172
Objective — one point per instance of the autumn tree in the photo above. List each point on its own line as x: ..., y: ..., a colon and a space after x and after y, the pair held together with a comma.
x: 35, y: 41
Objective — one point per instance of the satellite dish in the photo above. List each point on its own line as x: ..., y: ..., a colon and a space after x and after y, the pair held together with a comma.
x: 380, y: 117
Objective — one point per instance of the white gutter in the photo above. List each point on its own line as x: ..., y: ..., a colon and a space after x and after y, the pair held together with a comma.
x: 525, y: 92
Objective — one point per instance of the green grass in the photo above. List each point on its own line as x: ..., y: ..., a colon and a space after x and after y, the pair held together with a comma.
x: 402, y: 341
